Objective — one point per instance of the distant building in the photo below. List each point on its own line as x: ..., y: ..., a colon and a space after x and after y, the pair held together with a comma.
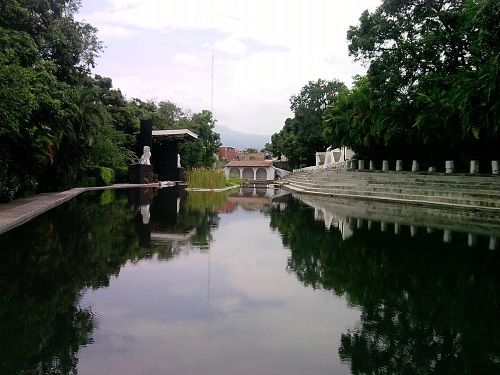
x: 253, y: 156
x: 227, y: 153
x: 250, y: 170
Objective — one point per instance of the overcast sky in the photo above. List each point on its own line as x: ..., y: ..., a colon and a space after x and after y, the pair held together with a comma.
x: 264, y: 52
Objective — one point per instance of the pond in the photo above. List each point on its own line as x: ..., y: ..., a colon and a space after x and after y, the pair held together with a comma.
x: 252, y: 282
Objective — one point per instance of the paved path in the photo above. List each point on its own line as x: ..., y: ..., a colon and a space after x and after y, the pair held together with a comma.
x: 22, y: 210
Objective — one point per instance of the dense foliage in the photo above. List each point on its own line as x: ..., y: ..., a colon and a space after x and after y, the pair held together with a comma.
x: 432, y: 87
x: 302, y: 135
x: 59, y: 124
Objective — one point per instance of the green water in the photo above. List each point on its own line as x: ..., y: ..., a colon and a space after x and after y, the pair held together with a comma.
x: 131, y: 282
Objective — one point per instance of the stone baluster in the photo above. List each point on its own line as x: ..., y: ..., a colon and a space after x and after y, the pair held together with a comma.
x: 494, y: 167
x: 449, y: 166
x: 385, y: 165
x: 474, y: 166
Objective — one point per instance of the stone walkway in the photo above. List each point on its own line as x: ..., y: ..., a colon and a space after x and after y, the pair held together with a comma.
x: 20, y: 211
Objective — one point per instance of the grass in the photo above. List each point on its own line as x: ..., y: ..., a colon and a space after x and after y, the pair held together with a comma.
x: 210, y: 179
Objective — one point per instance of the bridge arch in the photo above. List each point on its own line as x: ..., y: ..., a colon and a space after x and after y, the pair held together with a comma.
x: 261, y: 174
x: 234, y: 172
x: 247, y: 173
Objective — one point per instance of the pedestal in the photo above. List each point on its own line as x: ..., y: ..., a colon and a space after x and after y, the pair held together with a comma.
x: 138, y: 172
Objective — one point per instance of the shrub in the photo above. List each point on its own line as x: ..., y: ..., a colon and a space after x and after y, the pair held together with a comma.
x: 106, y: 176
x: 88, y: 182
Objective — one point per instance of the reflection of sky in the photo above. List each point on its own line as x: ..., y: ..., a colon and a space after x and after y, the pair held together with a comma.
x: 253, y: 317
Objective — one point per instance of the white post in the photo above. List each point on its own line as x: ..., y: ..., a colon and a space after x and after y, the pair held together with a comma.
x: 385, y: 165
x: 493, y: 243
x: 361, y: 165
x: 447, y: 235
x: 474, y: 166
x: 396, y: 228
x: 432, y: 169
x: 372, y: 165
x: 399, y: 165
x: 471, y: 239
x: 359, y: 223
x: 383, y: 226
x: 449, y: 166
x: 494, y: 167
x: 413, y: 230
x: 414, y: 166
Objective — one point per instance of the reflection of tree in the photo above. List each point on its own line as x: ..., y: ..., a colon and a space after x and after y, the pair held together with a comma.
x: 200, y: 210
x: 426, y: 307
x: 46, y: 265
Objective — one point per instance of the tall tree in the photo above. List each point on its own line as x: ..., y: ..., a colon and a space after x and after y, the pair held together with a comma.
x: 302, y: 135
x: 434, y: 75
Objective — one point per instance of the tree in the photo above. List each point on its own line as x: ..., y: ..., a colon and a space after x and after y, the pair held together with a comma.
x: 45, y: 57
x: 302, y: 135
x: 201, y: 152
x: 433, y: 76
x: 250, y: 150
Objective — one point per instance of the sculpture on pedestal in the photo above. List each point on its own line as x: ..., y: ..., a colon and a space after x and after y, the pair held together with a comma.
x: 146, y: 155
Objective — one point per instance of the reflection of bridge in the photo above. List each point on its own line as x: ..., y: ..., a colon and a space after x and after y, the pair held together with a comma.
x: 347, y: 214
x: 252, y: 197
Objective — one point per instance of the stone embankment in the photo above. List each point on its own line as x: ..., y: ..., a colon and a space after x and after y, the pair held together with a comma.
x: 464, y: 191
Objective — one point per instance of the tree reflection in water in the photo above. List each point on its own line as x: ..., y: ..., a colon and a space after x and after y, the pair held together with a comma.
x: 427, y: 306
x: 48, y: 263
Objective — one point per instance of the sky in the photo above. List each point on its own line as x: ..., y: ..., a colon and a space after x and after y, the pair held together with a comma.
x: 264, y: 51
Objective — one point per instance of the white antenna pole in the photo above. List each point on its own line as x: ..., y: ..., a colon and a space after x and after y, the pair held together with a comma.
x: 212, y: 96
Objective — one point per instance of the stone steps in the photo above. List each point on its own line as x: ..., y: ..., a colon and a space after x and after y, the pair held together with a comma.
x: 400, y: 176
x: 461, y: 193
x: 478, y: 192
x: 462, y: 200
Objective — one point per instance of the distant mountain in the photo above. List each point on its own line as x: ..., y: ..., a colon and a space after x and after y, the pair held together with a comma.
x: 240, y: 140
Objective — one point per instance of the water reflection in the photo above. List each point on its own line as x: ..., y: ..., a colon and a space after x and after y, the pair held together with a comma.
x: 429, y: 303
x: 48, y: 262
x: 423, y: 284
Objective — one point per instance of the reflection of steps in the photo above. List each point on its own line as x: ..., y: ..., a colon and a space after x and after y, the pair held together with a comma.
x: 465, y: 191
x: 349, y: 214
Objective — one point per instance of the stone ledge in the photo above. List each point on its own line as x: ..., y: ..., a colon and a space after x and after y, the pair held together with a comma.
x: 20, y: 211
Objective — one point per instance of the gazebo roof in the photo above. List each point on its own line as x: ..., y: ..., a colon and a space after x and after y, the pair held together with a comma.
x: 174, y: 134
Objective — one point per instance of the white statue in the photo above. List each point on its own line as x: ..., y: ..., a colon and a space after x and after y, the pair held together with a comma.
x: 146, y: 155
x: 178, y: 161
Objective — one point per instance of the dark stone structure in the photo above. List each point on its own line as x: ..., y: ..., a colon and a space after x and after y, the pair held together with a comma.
x: 164, y: 145
x: 137, y: 173
x: 164, y: 158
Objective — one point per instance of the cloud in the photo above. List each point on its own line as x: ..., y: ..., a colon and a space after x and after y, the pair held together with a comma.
x: 231, y: 46
x: 264, y: 52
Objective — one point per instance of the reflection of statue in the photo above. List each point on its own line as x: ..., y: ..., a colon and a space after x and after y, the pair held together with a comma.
x: 145, y: 212
x: 146, y: 155
x: 178, y: 161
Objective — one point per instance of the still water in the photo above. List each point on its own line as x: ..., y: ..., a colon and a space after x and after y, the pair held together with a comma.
x: 254, y: 282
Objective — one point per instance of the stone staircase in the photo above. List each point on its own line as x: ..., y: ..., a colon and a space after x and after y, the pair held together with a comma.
x: 479, y: 192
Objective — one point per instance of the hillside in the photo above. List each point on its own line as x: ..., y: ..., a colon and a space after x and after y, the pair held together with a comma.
x: 240, y: 140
